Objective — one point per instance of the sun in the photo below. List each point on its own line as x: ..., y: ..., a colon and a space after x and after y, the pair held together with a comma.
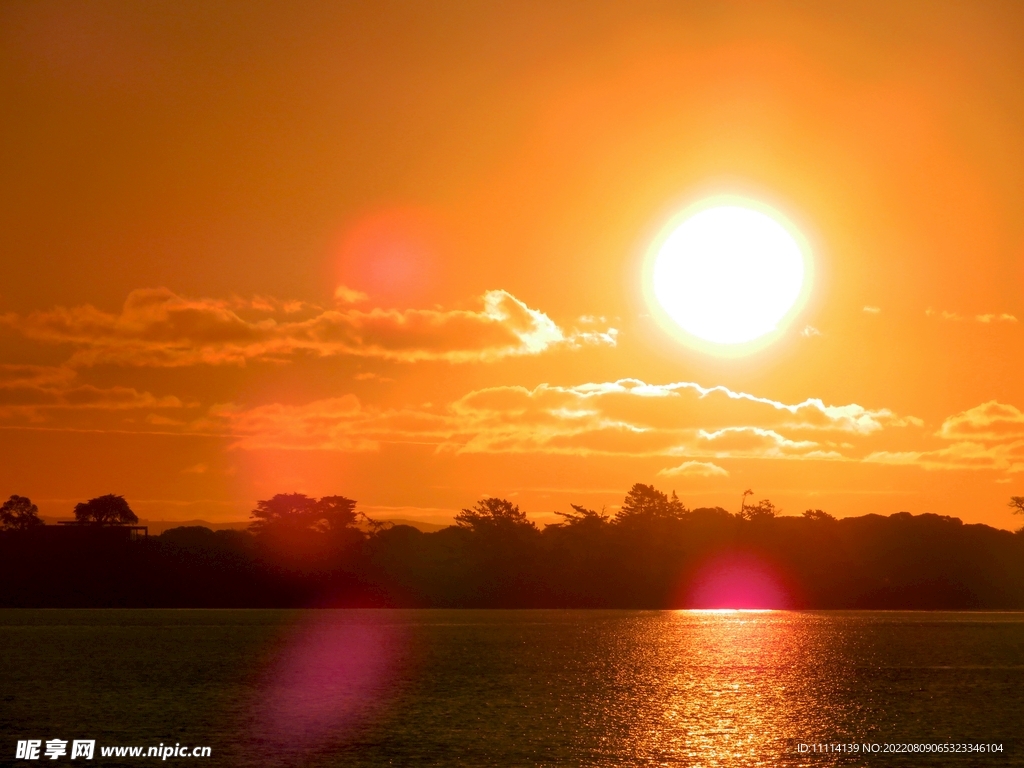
x: 730, y: 274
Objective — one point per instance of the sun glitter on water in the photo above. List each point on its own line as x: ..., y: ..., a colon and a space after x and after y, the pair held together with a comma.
x: 728, y: 275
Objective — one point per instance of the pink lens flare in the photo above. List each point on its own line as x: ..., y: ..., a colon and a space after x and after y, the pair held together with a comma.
x: 392, y: 255
x: 330, y: 675
x: 738, y: 580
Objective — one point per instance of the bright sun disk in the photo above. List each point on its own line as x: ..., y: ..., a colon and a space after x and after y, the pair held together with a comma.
x: 729, y: 274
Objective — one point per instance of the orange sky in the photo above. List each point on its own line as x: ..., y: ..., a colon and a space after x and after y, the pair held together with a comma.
x: 395, y: 252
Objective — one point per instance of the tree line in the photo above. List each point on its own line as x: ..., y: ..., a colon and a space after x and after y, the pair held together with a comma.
x: 18, y: 513
x: 652, y: 552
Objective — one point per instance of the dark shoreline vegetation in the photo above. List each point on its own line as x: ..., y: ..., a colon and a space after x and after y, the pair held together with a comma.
x: 653, y: 553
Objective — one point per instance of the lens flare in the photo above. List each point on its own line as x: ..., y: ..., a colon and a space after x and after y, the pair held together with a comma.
x: 738, y: 580
x: 332, y: 674
x: 392, y: 255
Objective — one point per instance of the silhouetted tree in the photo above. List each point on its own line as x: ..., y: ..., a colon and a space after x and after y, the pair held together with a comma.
x: 498, y: 547
x: 337, y: 513
x: 299, y: 526
x: 311, y: 552
x: 299, y: 512
x: 580, y: 516
x: 818, y: 514
x: 645, y: 502
x: 18, y: 513
x: 494, y: 514
x: 1017, y: 505
x: 285, y: 511
x: 743, y: 500
x: 307, y: 538
x: 105, y: 510
x: 763, y: 510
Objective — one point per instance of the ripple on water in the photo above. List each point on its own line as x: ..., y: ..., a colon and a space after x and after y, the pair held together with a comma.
x: 324, y: 688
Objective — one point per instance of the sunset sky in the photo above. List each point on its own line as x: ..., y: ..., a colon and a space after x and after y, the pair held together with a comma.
x: 397, y: 252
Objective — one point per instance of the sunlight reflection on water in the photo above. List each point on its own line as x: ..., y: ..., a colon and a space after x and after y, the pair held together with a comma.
x: 706, y: 687
x: 481, y: 688
x: 710, y: 686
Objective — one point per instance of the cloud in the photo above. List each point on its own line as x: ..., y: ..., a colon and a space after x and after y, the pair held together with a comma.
x: 270, y: 305
x: 966, y: 455
x: 945, y: 315
x: 13, y: 376
x: 608, y: 338
x: 371, y: 376
x: 348, y: 295
x: 810, y: 331
x: 335, y: 424
x: 159, y: 328
x: 989, y: 317
x: 163, y: 421
x: 756, y: 442
x: 626, y: 418
x: 694, y: 469
x: 989, y: 421
x: 1003, y: 317
x: 31, y: 390
x: 872, y: 310
x: 989, y: 436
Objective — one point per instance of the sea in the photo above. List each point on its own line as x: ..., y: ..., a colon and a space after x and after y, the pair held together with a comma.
x: 512, y: 687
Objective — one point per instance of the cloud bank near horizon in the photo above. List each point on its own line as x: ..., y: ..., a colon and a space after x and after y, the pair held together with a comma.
x: 29, y: 392
x: 622, y: 418
x: 159, y: 328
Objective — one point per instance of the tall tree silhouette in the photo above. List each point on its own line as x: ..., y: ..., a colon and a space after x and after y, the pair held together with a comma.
x: 581, y: 517
x: 763, y: 510
x: 645, y: 502
x: 339, y: 513
x: 284, y: 511
x: 494, y: 514
x: 1017, y: 505
x: 297, y: 512
x: 18, y: 513
x: 105, y: 510
x: 498, y: 546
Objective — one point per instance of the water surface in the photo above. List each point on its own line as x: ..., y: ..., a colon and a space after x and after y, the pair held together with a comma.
x: 462, y: 687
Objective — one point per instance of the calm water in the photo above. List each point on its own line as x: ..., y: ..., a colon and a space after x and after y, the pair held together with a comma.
x: 369, y: 688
